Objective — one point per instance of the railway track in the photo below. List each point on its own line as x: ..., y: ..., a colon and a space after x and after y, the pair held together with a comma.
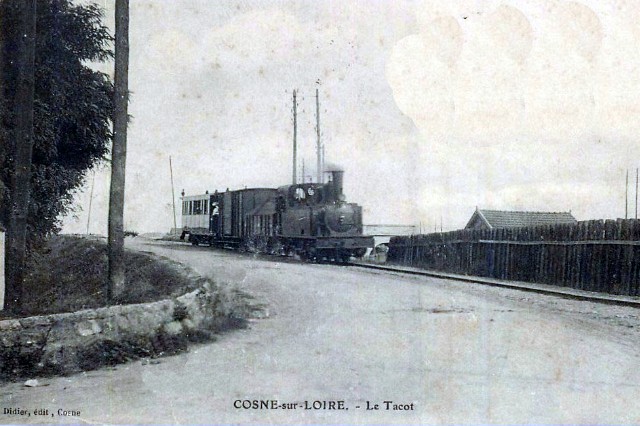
x: 564, y: 292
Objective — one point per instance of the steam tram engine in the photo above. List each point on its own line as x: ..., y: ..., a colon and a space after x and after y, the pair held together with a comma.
x: 311, y: 220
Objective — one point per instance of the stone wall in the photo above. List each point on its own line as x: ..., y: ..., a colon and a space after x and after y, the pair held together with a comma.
x: 78, y: 341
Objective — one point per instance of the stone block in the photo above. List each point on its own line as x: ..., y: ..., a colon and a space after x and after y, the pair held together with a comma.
x: 59, y: 359
x: 39, y: 321
x: 88, y: 328
x: 173, y: 328
x: 10, y: 325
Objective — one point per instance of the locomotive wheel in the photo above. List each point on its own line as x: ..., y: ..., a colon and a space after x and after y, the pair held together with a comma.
x: 276, y: 248
x: 308, y: 256
x: 322, y: 256
x: 359, y: 252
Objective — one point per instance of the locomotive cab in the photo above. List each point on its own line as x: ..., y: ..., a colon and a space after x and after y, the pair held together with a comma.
x: 304, y: 194
x: 295, y: 208
x: 318, y: 210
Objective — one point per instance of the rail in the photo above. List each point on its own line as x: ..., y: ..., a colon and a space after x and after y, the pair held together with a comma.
x: 565, y: 292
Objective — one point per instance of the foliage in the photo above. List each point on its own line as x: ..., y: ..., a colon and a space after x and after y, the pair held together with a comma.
x: 70, y: 273
x: 72, y: 106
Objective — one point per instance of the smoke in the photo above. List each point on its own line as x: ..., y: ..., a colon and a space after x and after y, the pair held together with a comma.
x: 333, y: 167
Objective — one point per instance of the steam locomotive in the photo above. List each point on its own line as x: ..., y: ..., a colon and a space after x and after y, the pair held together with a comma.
x: 311, y: 220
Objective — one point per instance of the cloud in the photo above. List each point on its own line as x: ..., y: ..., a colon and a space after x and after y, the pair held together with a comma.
x: 530, y: 102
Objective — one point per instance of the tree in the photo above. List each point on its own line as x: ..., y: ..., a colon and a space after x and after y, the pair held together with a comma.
x: 119, y: 153
x: 72, y: 108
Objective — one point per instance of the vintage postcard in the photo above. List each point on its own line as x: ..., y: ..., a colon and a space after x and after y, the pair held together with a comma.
x: 335, y: 212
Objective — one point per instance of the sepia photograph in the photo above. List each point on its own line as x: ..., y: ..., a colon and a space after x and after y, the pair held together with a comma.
x: 319, y: 212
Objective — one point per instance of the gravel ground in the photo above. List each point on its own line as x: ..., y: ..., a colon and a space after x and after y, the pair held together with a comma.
x: 449, y: 352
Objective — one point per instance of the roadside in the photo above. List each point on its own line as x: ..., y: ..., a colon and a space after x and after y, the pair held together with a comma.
x: 70, y: 273
x: 165, y: 306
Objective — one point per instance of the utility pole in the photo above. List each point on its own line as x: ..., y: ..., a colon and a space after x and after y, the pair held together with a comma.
x: 323, y: 167
x: 318, y: 148
x: 295, y: 135
x: 22, y: 104
x: 173, y: 197
x: 93, y: 182
x: 636, y: 193
x: 626, y: 196
x: 115, y: 284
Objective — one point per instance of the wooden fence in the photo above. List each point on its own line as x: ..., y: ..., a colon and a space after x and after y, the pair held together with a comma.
x: 595, y: 255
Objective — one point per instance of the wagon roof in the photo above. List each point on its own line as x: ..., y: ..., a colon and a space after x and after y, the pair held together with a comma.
x: 200, y: 196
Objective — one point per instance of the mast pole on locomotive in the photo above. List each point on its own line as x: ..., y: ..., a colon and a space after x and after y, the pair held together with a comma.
x: 318, y: 148
x: 295, y: 129
x: 323, y: 166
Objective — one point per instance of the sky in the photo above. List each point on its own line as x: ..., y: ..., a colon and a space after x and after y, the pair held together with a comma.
x: 431, y: 107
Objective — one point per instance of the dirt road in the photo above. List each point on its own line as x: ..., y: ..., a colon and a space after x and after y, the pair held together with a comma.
x: 440, y: 351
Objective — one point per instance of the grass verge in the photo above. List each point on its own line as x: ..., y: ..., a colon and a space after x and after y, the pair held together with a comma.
x: 69, y: 274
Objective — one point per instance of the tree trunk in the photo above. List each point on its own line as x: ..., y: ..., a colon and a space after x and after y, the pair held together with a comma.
x: 115, y: 284
x: 23, y: 143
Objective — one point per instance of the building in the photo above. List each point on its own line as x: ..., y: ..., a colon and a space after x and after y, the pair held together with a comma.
x: 382, y: 233
x: 496, y: 219
x: 388, y: 230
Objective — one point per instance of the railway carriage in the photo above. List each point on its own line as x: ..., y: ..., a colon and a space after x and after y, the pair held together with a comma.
x: 195, y: 213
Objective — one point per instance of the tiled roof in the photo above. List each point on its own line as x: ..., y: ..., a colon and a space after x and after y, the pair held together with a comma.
x: 513, y: 219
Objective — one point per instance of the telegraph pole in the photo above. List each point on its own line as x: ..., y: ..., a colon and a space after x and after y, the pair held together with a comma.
x: 173, y: 197
x: 22, y: 103
x: 93, y: 182
x: 295, y: 135
x: 323, y: 166
x: 318, y: 148
x: 626, y: 196
x: 115, y: 284
x: 636, y: 192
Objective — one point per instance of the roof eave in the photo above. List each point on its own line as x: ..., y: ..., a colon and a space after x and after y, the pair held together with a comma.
x: 484, y: 219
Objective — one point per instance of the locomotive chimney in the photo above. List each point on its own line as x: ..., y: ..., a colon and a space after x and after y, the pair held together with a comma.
x: 336, y: 183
